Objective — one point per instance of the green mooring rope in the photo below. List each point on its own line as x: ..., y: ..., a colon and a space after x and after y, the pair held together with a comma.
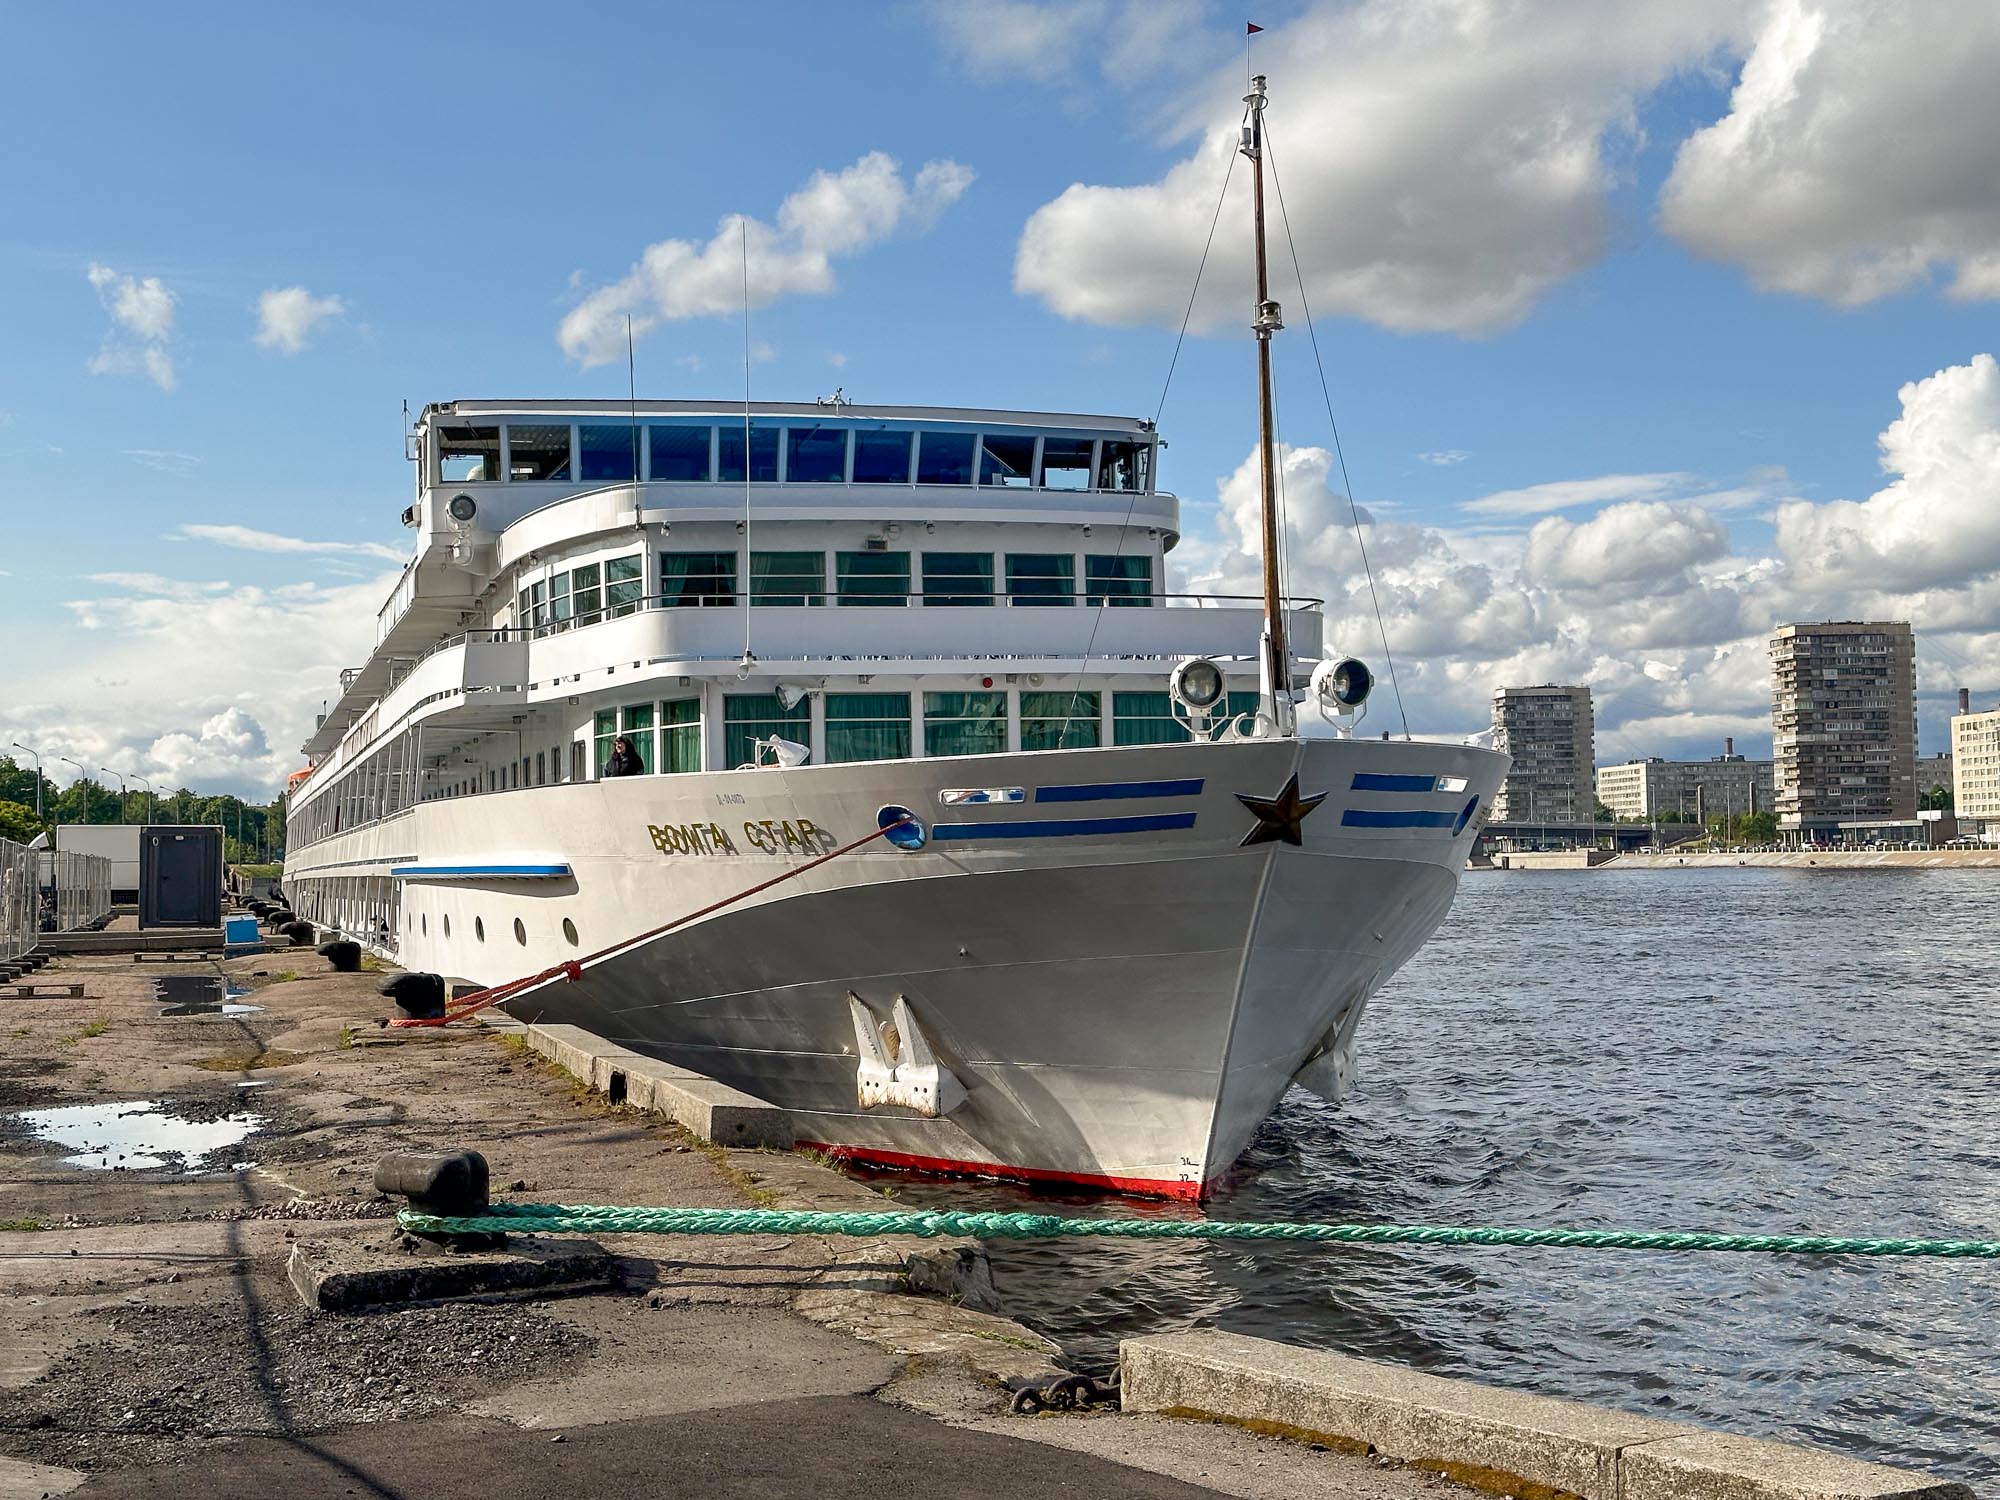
x: 587, y: 1218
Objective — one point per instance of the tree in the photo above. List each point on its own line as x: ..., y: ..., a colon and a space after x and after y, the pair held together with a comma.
x: 1757, y: 828
x: 18, y: 822
x: 1937, y: 797
x: 17, y: 784
x: 1604, y: 812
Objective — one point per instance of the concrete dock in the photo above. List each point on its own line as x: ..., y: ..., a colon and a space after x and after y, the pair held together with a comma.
x: 151, y: 1341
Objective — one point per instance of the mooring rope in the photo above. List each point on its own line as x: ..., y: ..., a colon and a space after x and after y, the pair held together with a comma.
x: 590, y: 1218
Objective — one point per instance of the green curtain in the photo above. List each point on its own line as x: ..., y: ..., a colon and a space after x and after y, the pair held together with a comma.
x: 758, y: 716
x: 867, y: 726
x: 1041, y: 578
x: 872, y: 577
x: 965, y: 723
x: 680, y: 735
x: 788, y: 578
x: 688, y: 578
x: 958, y: 578
x: 1144, y: 719
x: 1060, y: 721
x: 1121, y: 581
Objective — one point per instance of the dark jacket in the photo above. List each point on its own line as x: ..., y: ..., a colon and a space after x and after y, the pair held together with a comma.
x: 623, y: 763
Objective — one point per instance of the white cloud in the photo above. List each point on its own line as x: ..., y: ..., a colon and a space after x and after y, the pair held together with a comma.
x: 1443, y: 457
x: 1395, y: 127
x: 286, y: 317
x: 837, y: 360
x: 142, y: 317
x: 247, y: 539
x: 834, y: 214
x: 1859, y: 154
x: 164, y: 460
x: 1637, y: 545
x: 1566, y: 494
x: 1128, y: 45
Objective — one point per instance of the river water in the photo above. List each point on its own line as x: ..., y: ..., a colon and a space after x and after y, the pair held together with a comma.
x: 1745, y: 1050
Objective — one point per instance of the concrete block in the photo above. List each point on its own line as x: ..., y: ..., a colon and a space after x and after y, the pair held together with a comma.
x: 1718, y: 1466
x: 341, y: 1275
x: 712, y: 1110
x: 1505, y: 1441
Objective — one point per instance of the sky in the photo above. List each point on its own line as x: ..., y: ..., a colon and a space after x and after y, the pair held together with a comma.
x: 1646, y: 327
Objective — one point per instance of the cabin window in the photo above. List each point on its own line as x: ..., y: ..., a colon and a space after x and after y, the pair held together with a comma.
x: 586, y: 594
x: 872, y: 577
x: 965, y: 723
x: 635, y: 722
x: 1060, y: 721
x: 681, y: 454
x: 607, y: 453
x: 1118, y: 580
x: 867, y: 726
x: 1145, y: 719
x: 1066, y: 463
x: 468, y: 455
x: 747, y: 717
x: 680, y: 735
x: 541, y: 768
x: 944, y: 458
x: 1122, y: 466
x: 1006, y: 460
x: 624, y: 584
x: 538, y: 453
x: 1041, y: 577
x: 559, y: 610
x: 763, y: 455
x: 881, y: 458
x: 795, y: 578
x: 530, y: 607
x: 954, y: 578
x: 689, y: 578
x: 816, y: 455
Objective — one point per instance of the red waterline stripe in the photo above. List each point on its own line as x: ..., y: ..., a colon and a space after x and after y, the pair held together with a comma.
x: 1143, y: 1187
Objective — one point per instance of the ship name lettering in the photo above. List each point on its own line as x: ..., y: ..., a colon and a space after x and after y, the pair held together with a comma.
x: 690, y: 838
x: 787, y: 836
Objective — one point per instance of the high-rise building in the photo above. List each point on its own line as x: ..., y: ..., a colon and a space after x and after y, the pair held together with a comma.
x: 1844, y: 724
x: 1687, y: 790
x: 1975, y: 768
x: 1551, y: 735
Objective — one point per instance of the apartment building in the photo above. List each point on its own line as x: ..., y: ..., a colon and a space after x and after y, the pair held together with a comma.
x: 1975, y: 768
x: 1653, y: 789
x: 1844, y: 724
x: 1551, y: 734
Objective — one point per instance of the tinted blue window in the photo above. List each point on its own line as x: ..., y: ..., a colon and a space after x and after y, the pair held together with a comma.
x: 607, y: 453
x: 681, y: 453
x: 818, y: 455
x: 944, y: 458
x: 763, y: 455
x: 881, y: 458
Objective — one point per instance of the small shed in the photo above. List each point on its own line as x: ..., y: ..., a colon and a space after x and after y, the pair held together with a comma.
x: 180, y: 875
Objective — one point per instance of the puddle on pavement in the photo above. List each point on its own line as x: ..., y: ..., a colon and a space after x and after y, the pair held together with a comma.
x: 140, y: 1134
x: 200, y: 995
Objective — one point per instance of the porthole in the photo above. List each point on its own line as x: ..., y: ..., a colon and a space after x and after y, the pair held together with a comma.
x: 479, y: 929
x: 569, y: 931
x: 447, y: 924
x: 520, y: 932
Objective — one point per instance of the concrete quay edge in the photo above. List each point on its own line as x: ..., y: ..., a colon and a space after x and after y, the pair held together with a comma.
x: 1506, y: 1442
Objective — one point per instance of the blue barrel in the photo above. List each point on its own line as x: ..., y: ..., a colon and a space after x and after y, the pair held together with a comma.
x: 239, y: 931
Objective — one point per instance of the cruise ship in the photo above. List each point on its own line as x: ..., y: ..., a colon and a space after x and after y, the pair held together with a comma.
x: 980, y: 848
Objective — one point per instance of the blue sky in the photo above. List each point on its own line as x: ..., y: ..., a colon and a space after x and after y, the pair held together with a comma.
x: 1607, y: 299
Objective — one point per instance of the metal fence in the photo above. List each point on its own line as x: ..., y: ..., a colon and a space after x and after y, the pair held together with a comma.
x: 48, y: 891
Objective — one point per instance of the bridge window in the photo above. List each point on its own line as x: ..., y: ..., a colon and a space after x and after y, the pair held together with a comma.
x: 586, y: 593
x: 882, y: 457
x: 747, y: 717
x: 1066, y: 463
x: 1006, y: 460
x: 1123, y: 466
x: 867, y: 726
x: 608, y: 454
x: 530, y: 607
x: 467, y: 455
x: 965, y: 723
x: 680, y: 735
x: 958, y: 578
x: 795, y: 578
x: 763, y: 455
x: 1118, y: 580
x: 872, y: 577
x: 1144, y: 719
x: 624, y: 584
x: 538, y: 453
x: 688, y: 578
x: 1041, y: 577
x: 1060, y: 721
x: 817, y: 455
x: 944, y: 458
x: 681, y: 454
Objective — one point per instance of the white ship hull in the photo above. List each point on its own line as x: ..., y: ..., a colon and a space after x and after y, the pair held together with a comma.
x: 1122, y: 985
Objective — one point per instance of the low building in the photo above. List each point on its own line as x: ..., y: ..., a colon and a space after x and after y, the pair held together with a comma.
x: 1728, y: 785
x: 1550, y: 733
x: 1975, y: 771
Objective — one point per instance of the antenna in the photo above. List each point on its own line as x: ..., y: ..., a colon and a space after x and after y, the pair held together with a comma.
x: 749, y: 658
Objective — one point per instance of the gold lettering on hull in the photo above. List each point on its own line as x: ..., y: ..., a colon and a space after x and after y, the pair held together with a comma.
x: 764, y: 835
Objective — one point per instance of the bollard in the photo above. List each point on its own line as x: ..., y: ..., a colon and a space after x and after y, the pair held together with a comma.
x: 301, y: 933
x: 419, y: 995
x: 344, y: 954
x: 279, y: 916
x: 448, y: 1184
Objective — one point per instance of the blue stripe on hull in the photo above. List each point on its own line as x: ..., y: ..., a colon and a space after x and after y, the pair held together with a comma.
x: 1362, y: 817
x: 1109, y: 791
x: 1052, y: 828
x: 498, y: 872
x: 1379, y: 781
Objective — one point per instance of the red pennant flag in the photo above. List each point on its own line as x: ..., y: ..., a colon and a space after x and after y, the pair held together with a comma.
x: 1254, y: 29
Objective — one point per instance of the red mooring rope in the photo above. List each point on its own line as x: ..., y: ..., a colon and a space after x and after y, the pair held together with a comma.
x: 572, y: 969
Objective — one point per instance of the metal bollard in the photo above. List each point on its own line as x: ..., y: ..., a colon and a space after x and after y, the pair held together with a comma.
x: 448, y: 1184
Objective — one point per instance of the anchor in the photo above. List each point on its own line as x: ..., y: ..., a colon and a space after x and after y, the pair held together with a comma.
x: 898, y: 1065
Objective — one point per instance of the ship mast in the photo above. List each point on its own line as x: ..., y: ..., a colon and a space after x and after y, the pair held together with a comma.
x: 1275, y: 671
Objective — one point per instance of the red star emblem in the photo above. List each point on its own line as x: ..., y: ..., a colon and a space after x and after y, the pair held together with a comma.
x: 1279, y: 817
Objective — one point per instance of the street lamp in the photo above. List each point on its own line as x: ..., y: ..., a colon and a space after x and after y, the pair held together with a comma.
x: 38, y: 776
x: 83, y: 774
x: 152, y: 796
x: 121, y: 790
